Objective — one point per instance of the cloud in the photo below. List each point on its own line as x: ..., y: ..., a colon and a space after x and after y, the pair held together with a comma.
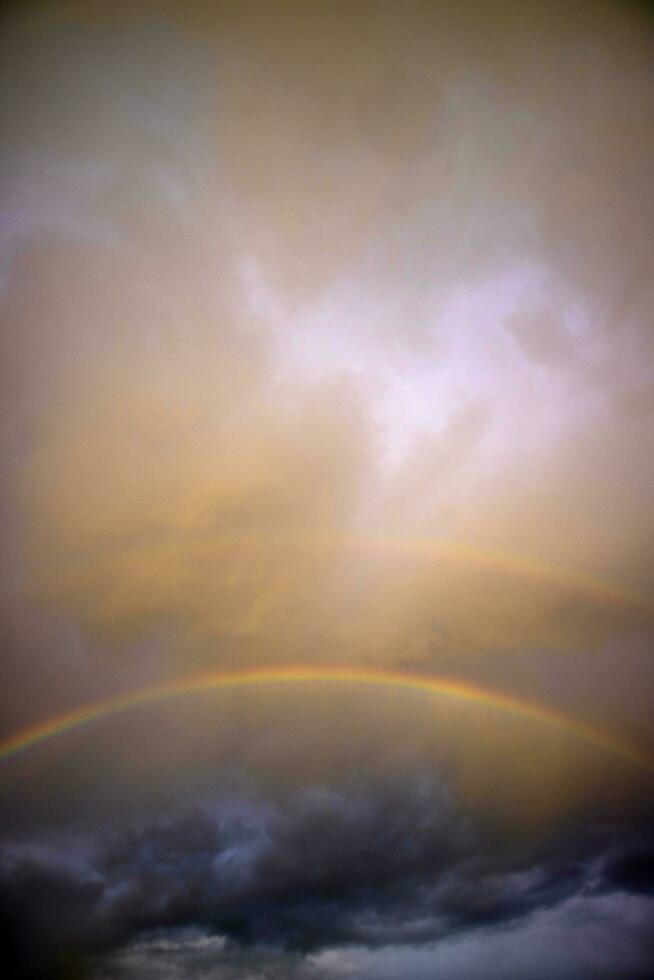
x: 630, y: 868
x: 582, y: 937
x: 180, y: 468
x: 211, y: 885
x: 326, y: 340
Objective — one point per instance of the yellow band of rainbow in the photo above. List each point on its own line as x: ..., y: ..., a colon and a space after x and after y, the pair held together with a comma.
x: 223, y: 681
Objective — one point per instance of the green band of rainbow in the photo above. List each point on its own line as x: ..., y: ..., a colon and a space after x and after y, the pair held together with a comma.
x: 433, y: 686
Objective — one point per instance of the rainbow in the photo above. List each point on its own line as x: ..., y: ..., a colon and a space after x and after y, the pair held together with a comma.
x: 513, y: 563
x: 287, y: 676
x: 458, y: 552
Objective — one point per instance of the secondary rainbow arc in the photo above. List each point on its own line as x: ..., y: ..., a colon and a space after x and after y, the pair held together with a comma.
x: 505, y: 562
x: 221, y: 681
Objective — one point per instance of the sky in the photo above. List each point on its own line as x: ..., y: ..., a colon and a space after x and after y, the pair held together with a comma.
x: 327, y: 468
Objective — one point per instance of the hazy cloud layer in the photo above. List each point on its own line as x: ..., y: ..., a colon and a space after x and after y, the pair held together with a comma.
x: 178, y: 409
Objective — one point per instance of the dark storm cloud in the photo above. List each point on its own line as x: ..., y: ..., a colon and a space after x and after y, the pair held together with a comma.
x: 372, y: 867
x: 630, y: 867
x: 46, y: 913
x: 297, y: 877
